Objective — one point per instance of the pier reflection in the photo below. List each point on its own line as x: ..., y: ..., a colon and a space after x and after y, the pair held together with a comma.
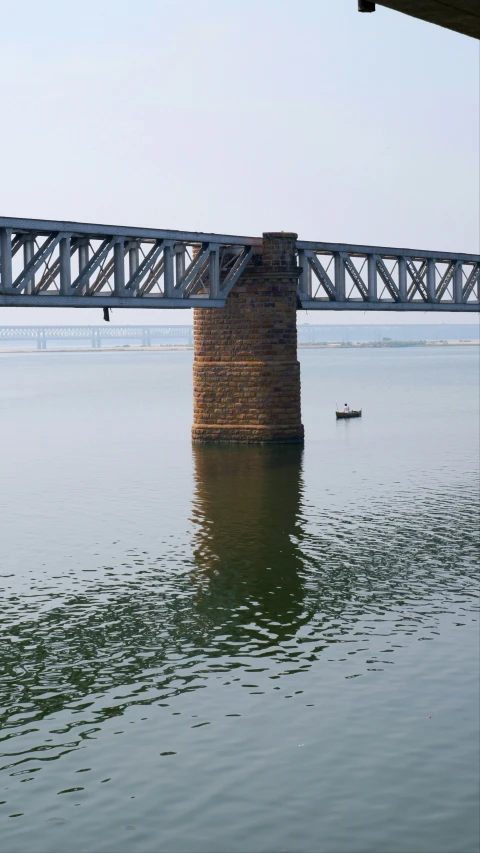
x: 247, y: 516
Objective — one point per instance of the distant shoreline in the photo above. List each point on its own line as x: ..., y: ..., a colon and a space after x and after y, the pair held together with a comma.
x: 389, y: 344
x: 181, y: 348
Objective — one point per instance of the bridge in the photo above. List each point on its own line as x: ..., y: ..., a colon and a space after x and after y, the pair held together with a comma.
x: 95, y: 334
x: 246, y: 376
x: 60, y: 264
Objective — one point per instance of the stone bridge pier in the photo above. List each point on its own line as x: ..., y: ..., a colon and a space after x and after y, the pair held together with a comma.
x: 246, y: 376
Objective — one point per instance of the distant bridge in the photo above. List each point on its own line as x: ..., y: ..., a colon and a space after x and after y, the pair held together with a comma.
x: 146, y: 336
x: 95, y: 334
x: 47, y: 263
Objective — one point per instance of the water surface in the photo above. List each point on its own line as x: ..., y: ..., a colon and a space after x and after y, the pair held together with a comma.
x: 239, y: 649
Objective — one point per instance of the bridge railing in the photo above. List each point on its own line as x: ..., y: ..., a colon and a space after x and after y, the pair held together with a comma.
x: 68, y: 263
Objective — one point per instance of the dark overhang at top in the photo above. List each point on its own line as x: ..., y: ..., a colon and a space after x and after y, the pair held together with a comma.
x: 462, y: 16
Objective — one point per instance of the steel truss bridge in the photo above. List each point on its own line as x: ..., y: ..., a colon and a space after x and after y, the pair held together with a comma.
x: 47, y: 263
x: 95, y: 334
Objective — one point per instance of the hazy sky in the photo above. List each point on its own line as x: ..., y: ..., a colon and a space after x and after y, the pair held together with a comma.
x: 239, y: 117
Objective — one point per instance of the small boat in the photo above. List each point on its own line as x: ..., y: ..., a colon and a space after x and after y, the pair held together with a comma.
x: 354, y: 413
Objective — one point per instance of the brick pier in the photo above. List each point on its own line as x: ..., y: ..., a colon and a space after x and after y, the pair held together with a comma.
x: 246, y: 377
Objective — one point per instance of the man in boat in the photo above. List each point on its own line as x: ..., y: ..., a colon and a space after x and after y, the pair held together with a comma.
x: 346, y: 409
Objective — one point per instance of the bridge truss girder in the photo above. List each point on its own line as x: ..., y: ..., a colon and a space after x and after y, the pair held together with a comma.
x: 72, y: 264
x: 44, y: 263
x: 352, y: 277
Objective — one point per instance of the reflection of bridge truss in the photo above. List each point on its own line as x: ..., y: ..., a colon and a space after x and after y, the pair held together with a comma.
x: 78, y: 265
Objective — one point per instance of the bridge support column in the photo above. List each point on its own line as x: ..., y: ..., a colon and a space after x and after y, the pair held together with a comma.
x: 246, y: 377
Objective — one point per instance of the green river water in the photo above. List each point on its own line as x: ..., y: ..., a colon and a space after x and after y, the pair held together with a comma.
x: 239, y: 649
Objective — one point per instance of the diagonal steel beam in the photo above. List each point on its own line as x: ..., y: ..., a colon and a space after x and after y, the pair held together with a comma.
x: 156, y: 273
x: 356, y: 277
x: 48, y: 276
x: 322, y: 275
x: 387, y: 280
x: 92, y: 265
x: 471, y: 281
x: 38, y: 259
x: 202, y: 277
x: 445, y: 280
x: 57, y: 268
x: 133, y: 283
x: 417, y: 280
x: 104, y: 274
x: 188, y: 282
x: 235, y: 272
x: 18, y: 241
